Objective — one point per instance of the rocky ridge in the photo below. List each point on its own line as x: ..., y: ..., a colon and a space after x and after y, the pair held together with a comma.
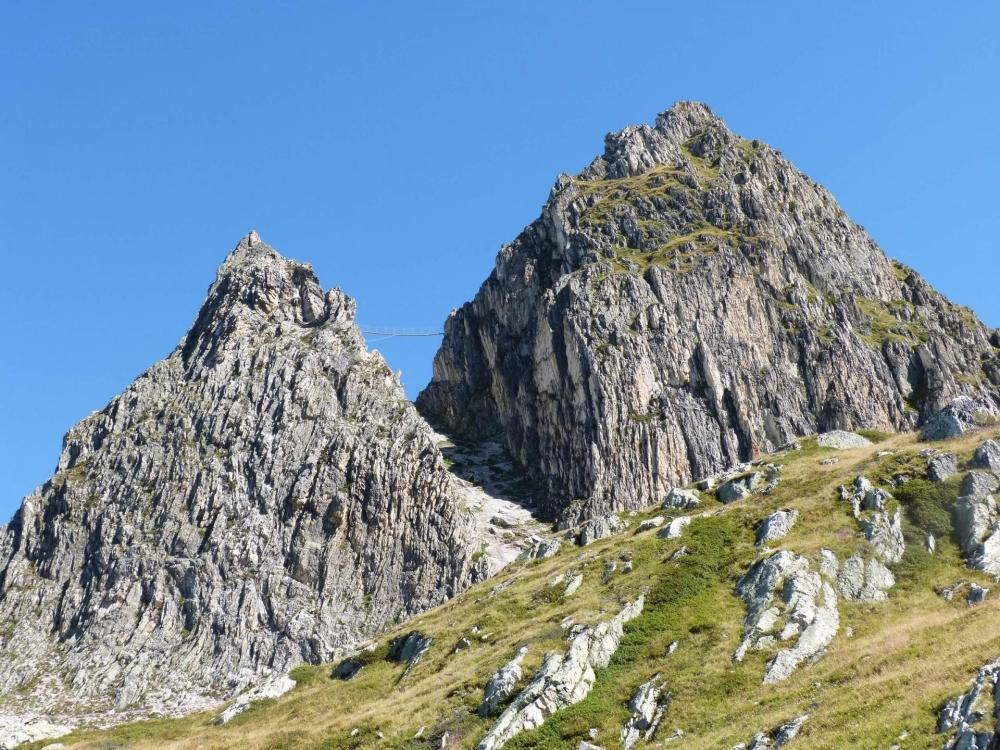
x: 687, y: 302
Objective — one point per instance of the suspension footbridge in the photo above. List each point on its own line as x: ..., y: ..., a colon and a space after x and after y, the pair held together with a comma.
x: 383, y: 332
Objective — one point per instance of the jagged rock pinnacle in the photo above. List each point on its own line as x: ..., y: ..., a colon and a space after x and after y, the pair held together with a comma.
x: 264, y: 496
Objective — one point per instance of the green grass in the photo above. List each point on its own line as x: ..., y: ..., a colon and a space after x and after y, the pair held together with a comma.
x: 929, y: 505
x: 886, y: 324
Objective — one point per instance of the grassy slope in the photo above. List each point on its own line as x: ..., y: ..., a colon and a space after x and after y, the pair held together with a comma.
x: 906, y: 655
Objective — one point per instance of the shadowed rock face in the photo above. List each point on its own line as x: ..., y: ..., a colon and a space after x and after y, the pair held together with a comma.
x: 689, y: 301
x: 263, y: 496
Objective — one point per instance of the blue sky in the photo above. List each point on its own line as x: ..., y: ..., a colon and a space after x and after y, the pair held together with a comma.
x: 395, y: 146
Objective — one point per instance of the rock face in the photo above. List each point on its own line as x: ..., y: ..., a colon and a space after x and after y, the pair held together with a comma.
x: 263, y: 496
x: 562, y: 680
x: 687, y: 302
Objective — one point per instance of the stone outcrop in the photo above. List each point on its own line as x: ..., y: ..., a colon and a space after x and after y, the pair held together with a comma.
x: 776, y: 526
x: 806, y: 612
x: 264, y: 496
x: 268, y: 691
x: 969, y: 718
x: 647, y: 712
x: 501, y: 684
x: 687, y: 302
x: 977, y: 522
x: 563, y: 679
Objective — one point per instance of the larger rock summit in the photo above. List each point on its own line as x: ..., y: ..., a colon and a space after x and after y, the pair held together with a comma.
x: 689, y: 301
x: 262, y: 497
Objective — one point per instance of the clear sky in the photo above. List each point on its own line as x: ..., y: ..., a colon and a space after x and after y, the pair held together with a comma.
x: 396, y: 145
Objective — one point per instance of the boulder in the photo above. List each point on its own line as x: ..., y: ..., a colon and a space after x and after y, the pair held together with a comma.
x: 955, y: 419
x: 842, y: 440
x: 600, y: 528
x: 942, y: 467
x: 987, y: 456
x: 675, y: 528
x: 776, y: 526
x: 681, y: 499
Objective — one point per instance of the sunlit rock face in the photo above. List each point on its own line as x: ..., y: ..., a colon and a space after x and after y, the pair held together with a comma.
x: 262, y: 497
x: 688, y: 301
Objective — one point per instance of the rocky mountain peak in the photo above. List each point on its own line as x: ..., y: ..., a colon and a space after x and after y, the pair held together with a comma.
x: 264, y: 496
x: 255, y: 287
x: 693, y: 294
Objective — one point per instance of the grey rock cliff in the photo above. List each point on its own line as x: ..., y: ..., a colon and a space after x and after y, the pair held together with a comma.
x: 689, y: 301
x: 262, y: 497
